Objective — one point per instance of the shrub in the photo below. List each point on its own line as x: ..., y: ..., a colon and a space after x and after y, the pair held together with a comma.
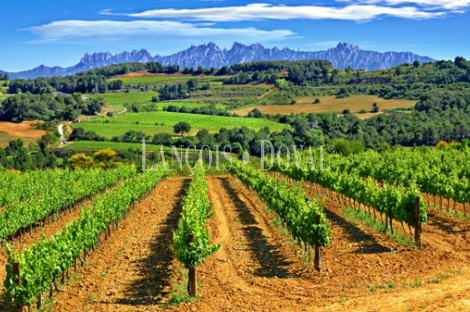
x: 442, y: 144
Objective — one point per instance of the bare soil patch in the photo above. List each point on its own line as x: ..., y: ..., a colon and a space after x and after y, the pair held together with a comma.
x: 330, y: 104
x: 21, y: 130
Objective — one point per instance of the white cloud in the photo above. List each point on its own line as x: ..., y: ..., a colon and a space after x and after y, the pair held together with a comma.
x: 260, y: 11
x: 437, y: 4
x: 69, y: 30
x: 449, y: 5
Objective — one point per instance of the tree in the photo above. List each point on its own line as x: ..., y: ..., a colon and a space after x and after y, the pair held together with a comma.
x: 256, y: 113
x: 416, y: 64
x: 314, y: 137
x: 346, y: 111
x: 80, y: 161
x: 460, y: 62
x: 192, y: 84
x: 77, y: 134
x: 204, y: 137
x: 345, y: 147
x: 398, y: 70
x: 162, y: 138
x: 14, y: 146
x: 182, y: 127
x: 105, y: 155
x: 375, y: 107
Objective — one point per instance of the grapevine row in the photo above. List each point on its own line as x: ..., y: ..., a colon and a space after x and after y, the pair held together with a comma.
x: 25, y: 213
x: 17, y: 187
x: 196, y: 211
x: 296, y: 213
x: 43, y: 263
x: 442, y: 173
x: 395, y: 202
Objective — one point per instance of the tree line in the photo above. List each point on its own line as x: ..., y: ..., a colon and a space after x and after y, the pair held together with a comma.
x: 47, y: 106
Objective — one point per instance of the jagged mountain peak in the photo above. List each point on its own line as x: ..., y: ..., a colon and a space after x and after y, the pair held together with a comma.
x: 347, y: 46
x: 210, y: 55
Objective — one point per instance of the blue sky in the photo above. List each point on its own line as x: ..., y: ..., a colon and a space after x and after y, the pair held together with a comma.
x: 53, y: 32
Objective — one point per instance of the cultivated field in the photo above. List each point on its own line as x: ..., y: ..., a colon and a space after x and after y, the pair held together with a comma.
x: 126, y: 256
x: 159, y: 122
x: 259, y: 268
x: 330, y: 104
x: 12, y: 131
x: 121, y: 98
x: 115, y: 100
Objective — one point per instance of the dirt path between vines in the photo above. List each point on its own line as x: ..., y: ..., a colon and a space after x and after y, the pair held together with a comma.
x: 259, y: 269
x: 133, y: 269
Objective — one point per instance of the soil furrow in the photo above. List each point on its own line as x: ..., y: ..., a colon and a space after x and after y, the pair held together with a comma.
x: 134, y: 268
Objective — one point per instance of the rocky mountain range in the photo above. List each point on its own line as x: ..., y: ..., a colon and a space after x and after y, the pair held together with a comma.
x: 210, y: 55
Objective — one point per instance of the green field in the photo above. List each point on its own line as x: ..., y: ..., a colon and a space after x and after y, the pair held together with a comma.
x: 121, y: 98
x: 196, y: 121
x: 117, y: 146
x: 159, y: 122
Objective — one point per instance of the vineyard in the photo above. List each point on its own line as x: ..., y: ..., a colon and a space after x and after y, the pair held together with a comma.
x: 294, y: 238
x: 163, y: 122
